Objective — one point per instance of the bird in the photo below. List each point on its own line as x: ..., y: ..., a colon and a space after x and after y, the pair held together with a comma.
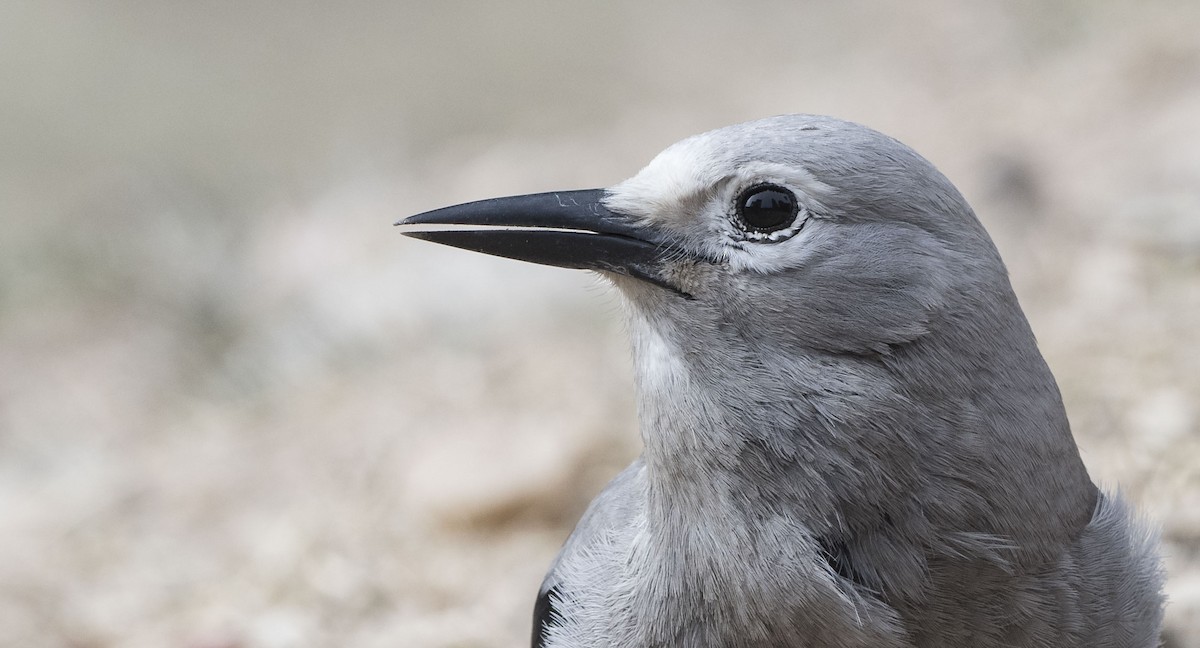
x: 850, y: 436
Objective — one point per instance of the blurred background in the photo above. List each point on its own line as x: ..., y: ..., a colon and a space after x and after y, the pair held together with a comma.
x: 238, y: 410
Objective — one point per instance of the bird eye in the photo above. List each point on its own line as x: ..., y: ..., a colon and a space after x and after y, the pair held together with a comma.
x: 767, y: 208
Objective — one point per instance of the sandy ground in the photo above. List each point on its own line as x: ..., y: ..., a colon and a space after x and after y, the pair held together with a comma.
x: 238, y: 411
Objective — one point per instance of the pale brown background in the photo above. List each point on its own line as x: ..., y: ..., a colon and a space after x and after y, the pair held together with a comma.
x: 237, y: 409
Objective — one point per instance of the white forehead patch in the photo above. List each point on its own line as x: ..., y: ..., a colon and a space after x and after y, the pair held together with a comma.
x: 680, y: 176
x: 690, y: 190
x: 679, y: 180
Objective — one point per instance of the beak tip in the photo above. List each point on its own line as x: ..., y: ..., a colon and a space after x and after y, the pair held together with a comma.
x: 407, y: 220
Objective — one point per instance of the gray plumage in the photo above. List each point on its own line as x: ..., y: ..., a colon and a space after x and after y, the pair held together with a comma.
x: 851, y: 438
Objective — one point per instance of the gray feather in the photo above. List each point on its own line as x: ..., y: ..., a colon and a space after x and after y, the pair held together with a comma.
x: 869, y: 384
x: 851, y: 438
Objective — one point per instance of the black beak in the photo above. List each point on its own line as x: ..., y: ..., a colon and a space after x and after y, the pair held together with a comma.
x: 569, y: 229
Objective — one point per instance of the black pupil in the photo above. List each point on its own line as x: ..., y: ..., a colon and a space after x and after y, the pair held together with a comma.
x: 768, y: 208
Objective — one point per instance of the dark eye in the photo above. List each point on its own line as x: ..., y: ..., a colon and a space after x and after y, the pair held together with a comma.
x: 767, y: 208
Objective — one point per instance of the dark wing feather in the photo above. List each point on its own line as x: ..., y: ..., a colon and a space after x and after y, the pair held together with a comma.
x: 544, y: 615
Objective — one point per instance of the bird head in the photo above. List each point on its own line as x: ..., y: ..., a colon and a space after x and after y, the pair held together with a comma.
x: 809, y: 295
x: 807, y: 231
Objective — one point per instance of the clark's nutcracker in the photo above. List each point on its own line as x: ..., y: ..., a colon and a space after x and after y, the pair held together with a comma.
x: 851, y: 438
